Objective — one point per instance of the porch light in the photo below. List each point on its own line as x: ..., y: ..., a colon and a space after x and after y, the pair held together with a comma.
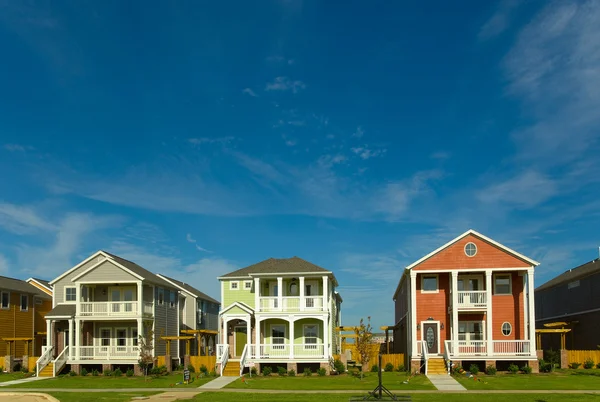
x: 442, y: 326
x: 430, y: 319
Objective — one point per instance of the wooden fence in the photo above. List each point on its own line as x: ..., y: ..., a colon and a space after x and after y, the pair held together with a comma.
x: 209, y: 361
x: 32, y: 360
x: 580, y: 356
x: 396, y: 360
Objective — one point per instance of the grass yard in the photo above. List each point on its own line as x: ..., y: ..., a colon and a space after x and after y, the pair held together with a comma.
x: 393, y: 380
x: 97, y: 396
x: 11, y: 376
x: 425, y: 397
x: 558, y: 380
x: 114, y: 382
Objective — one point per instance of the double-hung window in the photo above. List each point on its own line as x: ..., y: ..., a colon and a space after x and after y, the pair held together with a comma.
x: 311, y: 333
x: 24, y: 302
x: 502, y: 284
x: 278, y: 336
x: 5, y: 300
x: 70, y: 294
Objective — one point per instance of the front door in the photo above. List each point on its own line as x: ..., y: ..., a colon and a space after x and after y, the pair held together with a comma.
x: 431, y: 335
x: 241, y: 337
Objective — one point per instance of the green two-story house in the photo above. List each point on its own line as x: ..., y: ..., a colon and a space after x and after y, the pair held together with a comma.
x: 280, y: 313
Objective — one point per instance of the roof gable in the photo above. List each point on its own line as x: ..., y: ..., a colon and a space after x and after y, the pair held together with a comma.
x: 188, y: 289
x: 573, y: 274
x: 490, y: 254
x: 241, y: 305
x: 17, y: 285
x: 294, y: 265
x: 106, y: 264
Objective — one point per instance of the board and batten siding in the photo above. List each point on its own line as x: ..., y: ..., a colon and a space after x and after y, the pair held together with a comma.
x: 59, y: 286
x: 108, y: 272
x: 165, y: 323
x: 189, y: 313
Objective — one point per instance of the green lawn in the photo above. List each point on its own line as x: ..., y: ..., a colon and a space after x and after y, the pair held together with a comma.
x: 11, y: 376
x: 97, y: 396
x: 392, y: 380
x: 558, y: 380
x: 114, y: 382
x: 426, y: 397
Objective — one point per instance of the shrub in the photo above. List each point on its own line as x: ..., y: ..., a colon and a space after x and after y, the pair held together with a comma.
x: 490, y: 370
x: 321, y: 372
x: 292, y: 373
x: 25, y: 371
x: 574, y: 365
x: 552, y: 356
x: 95, y: 373
x: 457, y: 369
x: 513, y: 369
x: 545, y: 367
x: 72, y: 373
x: 180, y: 367
x: 474, y: 369
x: 253, y: 371
x: 307, y: 372
x: 598, y: 366
x: 191, y: 368
x: 526, y: 369
x: 117, y: 372
x: 266, y: 371
x: 213, y: 374
x: 374, y: 368
x: 129, y: 373
x: 203, y: 369
x: 17, y: 367
x: 339, y: 366
x: 401, y: 368
x: 389, y: 367
x: 84, y: 372
x: 588, y: 364
x: 107, y: 373
x: 281, y: 371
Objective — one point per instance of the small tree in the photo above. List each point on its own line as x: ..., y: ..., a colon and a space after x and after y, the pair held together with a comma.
x: 145, y: 344
x: 364, y: 340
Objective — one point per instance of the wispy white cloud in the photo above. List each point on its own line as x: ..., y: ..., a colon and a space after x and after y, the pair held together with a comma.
x: 440, y: 155
x: 526, y: 190
x: 499, y: 21
x: 23, y: 219
x: 249, y: 91
x: 285, y: 84
x: 17, y: 147
x: 365, y: 152
x: 208, y: 140
x: 359, y: 132
x: 189, y: 238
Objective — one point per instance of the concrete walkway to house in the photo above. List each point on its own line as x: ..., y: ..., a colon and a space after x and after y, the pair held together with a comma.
x: 21, y: 381
x: 218, y: 383
x: 445, y: 382
x: 29, y: 397
x: 167, y: 396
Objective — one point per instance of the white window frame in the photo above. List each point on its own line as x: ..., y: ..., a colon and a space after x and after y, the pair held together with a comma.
x: 74, y: 301
x: 509, y: 284
x: 468, y: 338
x: 476, y: 249
x: 502, y: 328
x: 99, y: 339
x: 172, y: 299
x: 306, y: 345
x: 237, y: 285
x: 116, y: 339
x: 1, y: 297
x: 26, y: 303
x: 160, y: 300
x: 285, y: 336
x: 246, y: 283
x: 467, y: 278
x: 437, y: 284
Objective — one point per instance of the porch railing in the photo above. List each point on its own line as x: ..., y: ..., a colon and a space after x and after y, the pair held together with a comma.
x: 516, y: 348
x: 60, y: 361
x: 44, y: 359
x: 291, y: 303
x: 243, y: 359
x: 109, y: 309
x: 472, y: 299
x: 287, y: 351
x: 108, y: 352
x: 224, y: 357
x: 480, y: 348
x: 472, y: 348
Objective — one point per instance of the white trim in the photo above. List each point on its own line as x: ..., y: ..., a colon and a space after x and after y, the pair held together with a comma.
x: 276, y: 274
x: 510, y: 283
x: 102, y: 262
x: 318, y: 338
x: 285, y: 333
x: 41, y: 284
x: 241, y: 305
x: 568, y: 314
x: 91, y: 257
x: 487, y: 239
x: 502, y: 328
x: 116, y: 338
x: 465, y: 249
x: 8, y: 306
x: 178, y: 286
x: 247, y: 283
x: 237, y: 287
x: 439, y: 348
x: 21, y: 302
x: 65, y: 301
x: 437, y: 283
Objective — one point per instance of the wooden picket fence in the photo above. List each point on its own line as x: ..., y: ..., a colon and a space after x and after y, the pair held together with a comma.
x: 580, y: 356
x: 396, y: 359
x: 209, y: 361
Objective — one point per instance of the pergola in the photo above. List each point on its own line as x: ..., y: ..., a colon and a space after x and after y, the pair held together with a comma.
x: 552, y: 328
x: 200, y: 334
x: 10, y: 341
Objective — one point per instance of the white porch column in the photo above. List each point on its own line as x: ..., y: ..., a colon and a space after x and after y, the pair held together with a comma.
x: 49, y: 333
x: 325, y: 293
x: 488, y: 302
x: 140, y: 329
x: 225, y: 337
x: 291, y: 336
x: 256, y: 337
x: 70, y: 352
x: 326, y: 353
x: 455, y: 312
x: 248, y: 330
x: 257, y: 294
x: 279, y: 293
x: 140, y: 297
x: 302, y: 300
x: 413, y: 312
x: 77, y: 336
x: 531, y: 308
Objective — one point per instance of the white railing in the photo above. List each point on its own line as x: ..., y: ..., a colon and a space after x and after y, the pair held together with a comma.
x: 287, y: 351
x: 269, y: 304
x: 219, y: 351
x: 425, y: 354
x: 148, y: 308
x: 108, y: 352
x: 43, y: 360
x: 309, y: 350
x: 224, y: 357
x: 243, y: 359
x: 447, y: 354
x: 109, y: 309
x: 472, y: 299
x: 60, y: 361
x: 472, y: 348
x: 512, y: 348
x: 291, y: 303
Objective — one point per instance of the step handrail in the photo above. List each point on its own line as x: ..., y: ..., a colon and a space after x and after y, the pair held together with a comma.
x: 243, y: 359
x: 447, y: 355
x: 60, y: 361
x: 43, y: 361
x: 224, y: 357
x: 424, y: 352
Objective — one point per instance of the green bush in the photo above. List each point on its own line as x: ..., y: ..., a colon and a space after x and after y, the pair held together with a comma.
x: 266, y: 371
x: 588, y: 364
x: 25, y: 371
x: 180, y: 367
x: 374, y: 368
x: 389, y: 367
x: 307, y: 372
x: 339, y: 366
x: 321, y: 372
x: 513, y: 369
x: 545, y: 367
x: 253, y: 371
x: 213, y: 373
x: 474, y: 369
x: 84, y: 372
x: 72, y: 373
x: 17, y: 367
x: 490, y: 370
x: 117, y: 372
x: 574, y: 365
x: 457, y: 369
x: 107, y: 373
x: 552, y: 356
x: 95, y: 373
x: 281, y: 371
x: 292, y: 373
x: 526, y: 369
x: 191, y: 368
x: 598, y: 366
x: 129, y: 373
x: 203, y: 369
x: 401, y: 368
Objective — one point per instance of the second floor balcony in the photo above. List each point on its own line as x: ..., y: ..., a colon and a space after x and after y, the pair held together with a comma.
x: 472, y: 300
x: 115, y: 309
x: 291, y: 303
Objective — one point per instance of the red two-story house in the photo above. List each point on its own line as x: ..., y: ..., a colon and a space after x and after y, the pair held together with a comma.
x: 471, y: 301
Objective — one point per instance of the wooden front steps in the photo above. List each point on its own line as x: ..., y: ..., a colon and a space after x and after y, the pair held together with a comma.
x: 436, y: 366
x: 47, y: 371
x: 232, y: 369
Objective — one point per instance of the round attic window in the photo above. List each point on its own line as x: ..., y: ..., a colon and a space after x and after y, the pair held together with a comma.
x: 470, y: 249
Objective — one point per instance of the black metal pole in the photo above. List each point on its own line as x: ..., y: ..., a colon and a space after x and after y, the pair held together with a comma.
x: 380, y: 383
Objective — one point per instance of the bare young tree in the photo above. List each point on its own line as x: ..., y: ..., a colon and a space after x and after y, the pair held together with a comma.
x: 146, y: 347
x: 364, y: 340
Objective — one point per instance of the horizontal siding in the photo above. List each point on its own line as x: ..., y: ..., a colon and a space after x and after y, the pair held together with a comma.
x: 434, y: 305
x: 107, y: 272
x: 240, y: 295
x: 59, y: 286
x: 15, y: 323
x: 509, y: 308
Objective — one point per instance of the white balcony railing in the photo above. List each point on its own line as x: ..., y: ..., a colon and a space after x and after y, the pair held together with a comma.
x: 107, y: 352
x: 291, y: 303
x: 472, y: 348
x: 472, y: 299
x: 512, y: 348
x: 114, y: 309
x: 464, y: 348
x: 287, y: 351
x: 148, y: 308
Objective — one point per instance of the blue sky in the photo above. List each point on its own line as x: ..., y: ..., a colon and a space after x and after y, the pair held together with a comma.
x: 199, y: 137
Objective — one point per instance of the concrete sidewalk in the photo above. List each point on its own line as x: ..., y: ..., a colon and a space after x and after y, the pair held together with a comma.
x: 26, y: 397
x: 21, y: 381
x: 445, y: 382
x: 218, y: 383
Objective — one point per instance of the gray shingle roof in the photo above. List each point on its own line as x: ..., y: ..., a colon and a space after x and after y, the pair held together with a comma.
x: 192, y: 290
x: 573, y: 274
x: 279, y: 266
x: 17, y: 285
x: 143, y: 272
x: 62, y: 310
